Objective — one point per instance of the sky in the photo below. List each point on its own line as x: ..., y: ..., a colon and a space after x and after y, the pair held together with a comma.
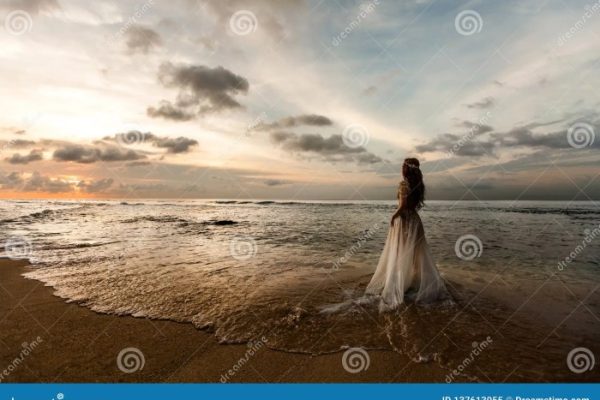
x: 299, y: 99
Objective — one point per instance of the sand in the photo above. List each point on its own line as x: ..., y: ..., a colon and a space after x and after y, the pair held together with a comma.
x: 70, y: 343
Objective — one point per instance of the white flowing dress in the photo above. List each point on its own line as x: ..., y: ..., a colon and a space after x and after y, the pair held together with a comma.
x: 406, y: 265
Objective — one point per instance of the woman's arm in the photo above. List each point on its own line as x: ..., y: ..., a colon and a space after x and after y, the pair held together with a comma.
x: 402, y: 194
x: 395, y: 215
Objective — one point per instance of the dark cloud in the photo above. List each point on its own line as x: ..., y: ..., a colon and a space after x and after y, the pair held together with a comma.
x: 276, y: 182
x: 523, y: 136
x: 534, y: 125
x: 40, y: 183
x: 475, y: 127
x: 34, y: 155
x: 173, y: 145
x: 138, y: 164
x: 100, y: 185
x: 37, y: 182
x: 488, y: 102
x: 488, y: 142
x: 19, y: 144
x: 90, y: 154
x: 300, y: 120
x: 167, y: 110
x: 11, y: 181
x: 332, y: 148
x: 31, y: 6
x: 140, y: 39
x: 202, y: 90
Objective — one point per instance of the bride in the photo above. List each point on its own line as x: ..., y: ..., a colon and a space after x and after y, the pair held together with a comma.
x: 406, y: 264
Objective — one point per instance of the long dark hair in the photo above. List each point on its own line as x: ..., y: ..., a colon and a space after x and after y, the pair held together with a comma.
x: 416, y: 188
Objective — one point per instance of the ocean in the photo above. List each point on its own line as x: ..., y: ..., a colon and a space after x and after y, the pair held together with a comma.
x: 524, y: 275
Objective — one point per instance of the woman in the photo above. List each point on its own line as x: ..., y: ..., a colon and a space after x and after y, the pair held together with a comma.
x: 406, y: 264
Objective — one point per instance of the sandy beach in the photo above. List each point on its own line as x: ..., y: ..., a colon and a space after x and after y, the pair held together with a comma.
x: 79, y: 345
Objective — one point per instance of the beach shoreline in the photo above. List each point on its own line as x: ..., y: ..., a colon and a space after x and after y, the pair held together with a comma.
x: 56, y: 341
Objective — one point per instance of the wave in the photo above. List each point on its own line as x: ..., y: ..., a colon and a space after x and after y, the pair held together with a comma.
x: 76, y: 246
x: 180, y: 221
x: 42, y: 215
x: 158, y: 219
x: 286, y: 202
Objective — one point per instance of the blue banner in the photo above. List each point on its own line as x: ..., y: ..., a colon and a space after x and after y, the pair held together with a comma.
x: 300, y: 391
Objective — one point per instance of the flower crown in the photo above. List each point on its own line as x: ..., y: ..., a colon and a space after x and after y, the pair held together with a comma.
x: 411, y: 165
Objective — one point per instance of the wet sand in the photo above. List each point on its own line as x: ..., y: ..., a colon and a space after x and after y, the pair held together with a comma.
x: 79, y: 345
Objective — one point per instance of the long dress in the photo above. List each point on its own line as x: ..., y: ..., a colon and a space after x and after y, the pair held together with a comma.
x: 406, y: 263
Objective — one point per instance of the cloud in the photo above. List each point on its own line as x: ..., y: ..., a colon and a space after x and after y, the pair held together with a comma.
x: 167, y: 110
x: 276, y: 182
x: 134, y: 164
x: 90, y: 154
x: 475, y: 127
x: 460, y: 145
x: 332, y: 148
x: 34, y: 155
x: 173, y: 145
x: 300, y: 120
x: 489, y: 143
x: 202, y: 90
x: 37, y: 182
x: 176, y: 145
x: 11, y: 181
x: 32, y: 6
x: 523, y: 136
x: 272, y: 16
x: 141, y: 39
x: 40, y: 183
x: 100, y: 185
x: 369, y: 91
x: 488, y: 102
x: 18, y: 144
